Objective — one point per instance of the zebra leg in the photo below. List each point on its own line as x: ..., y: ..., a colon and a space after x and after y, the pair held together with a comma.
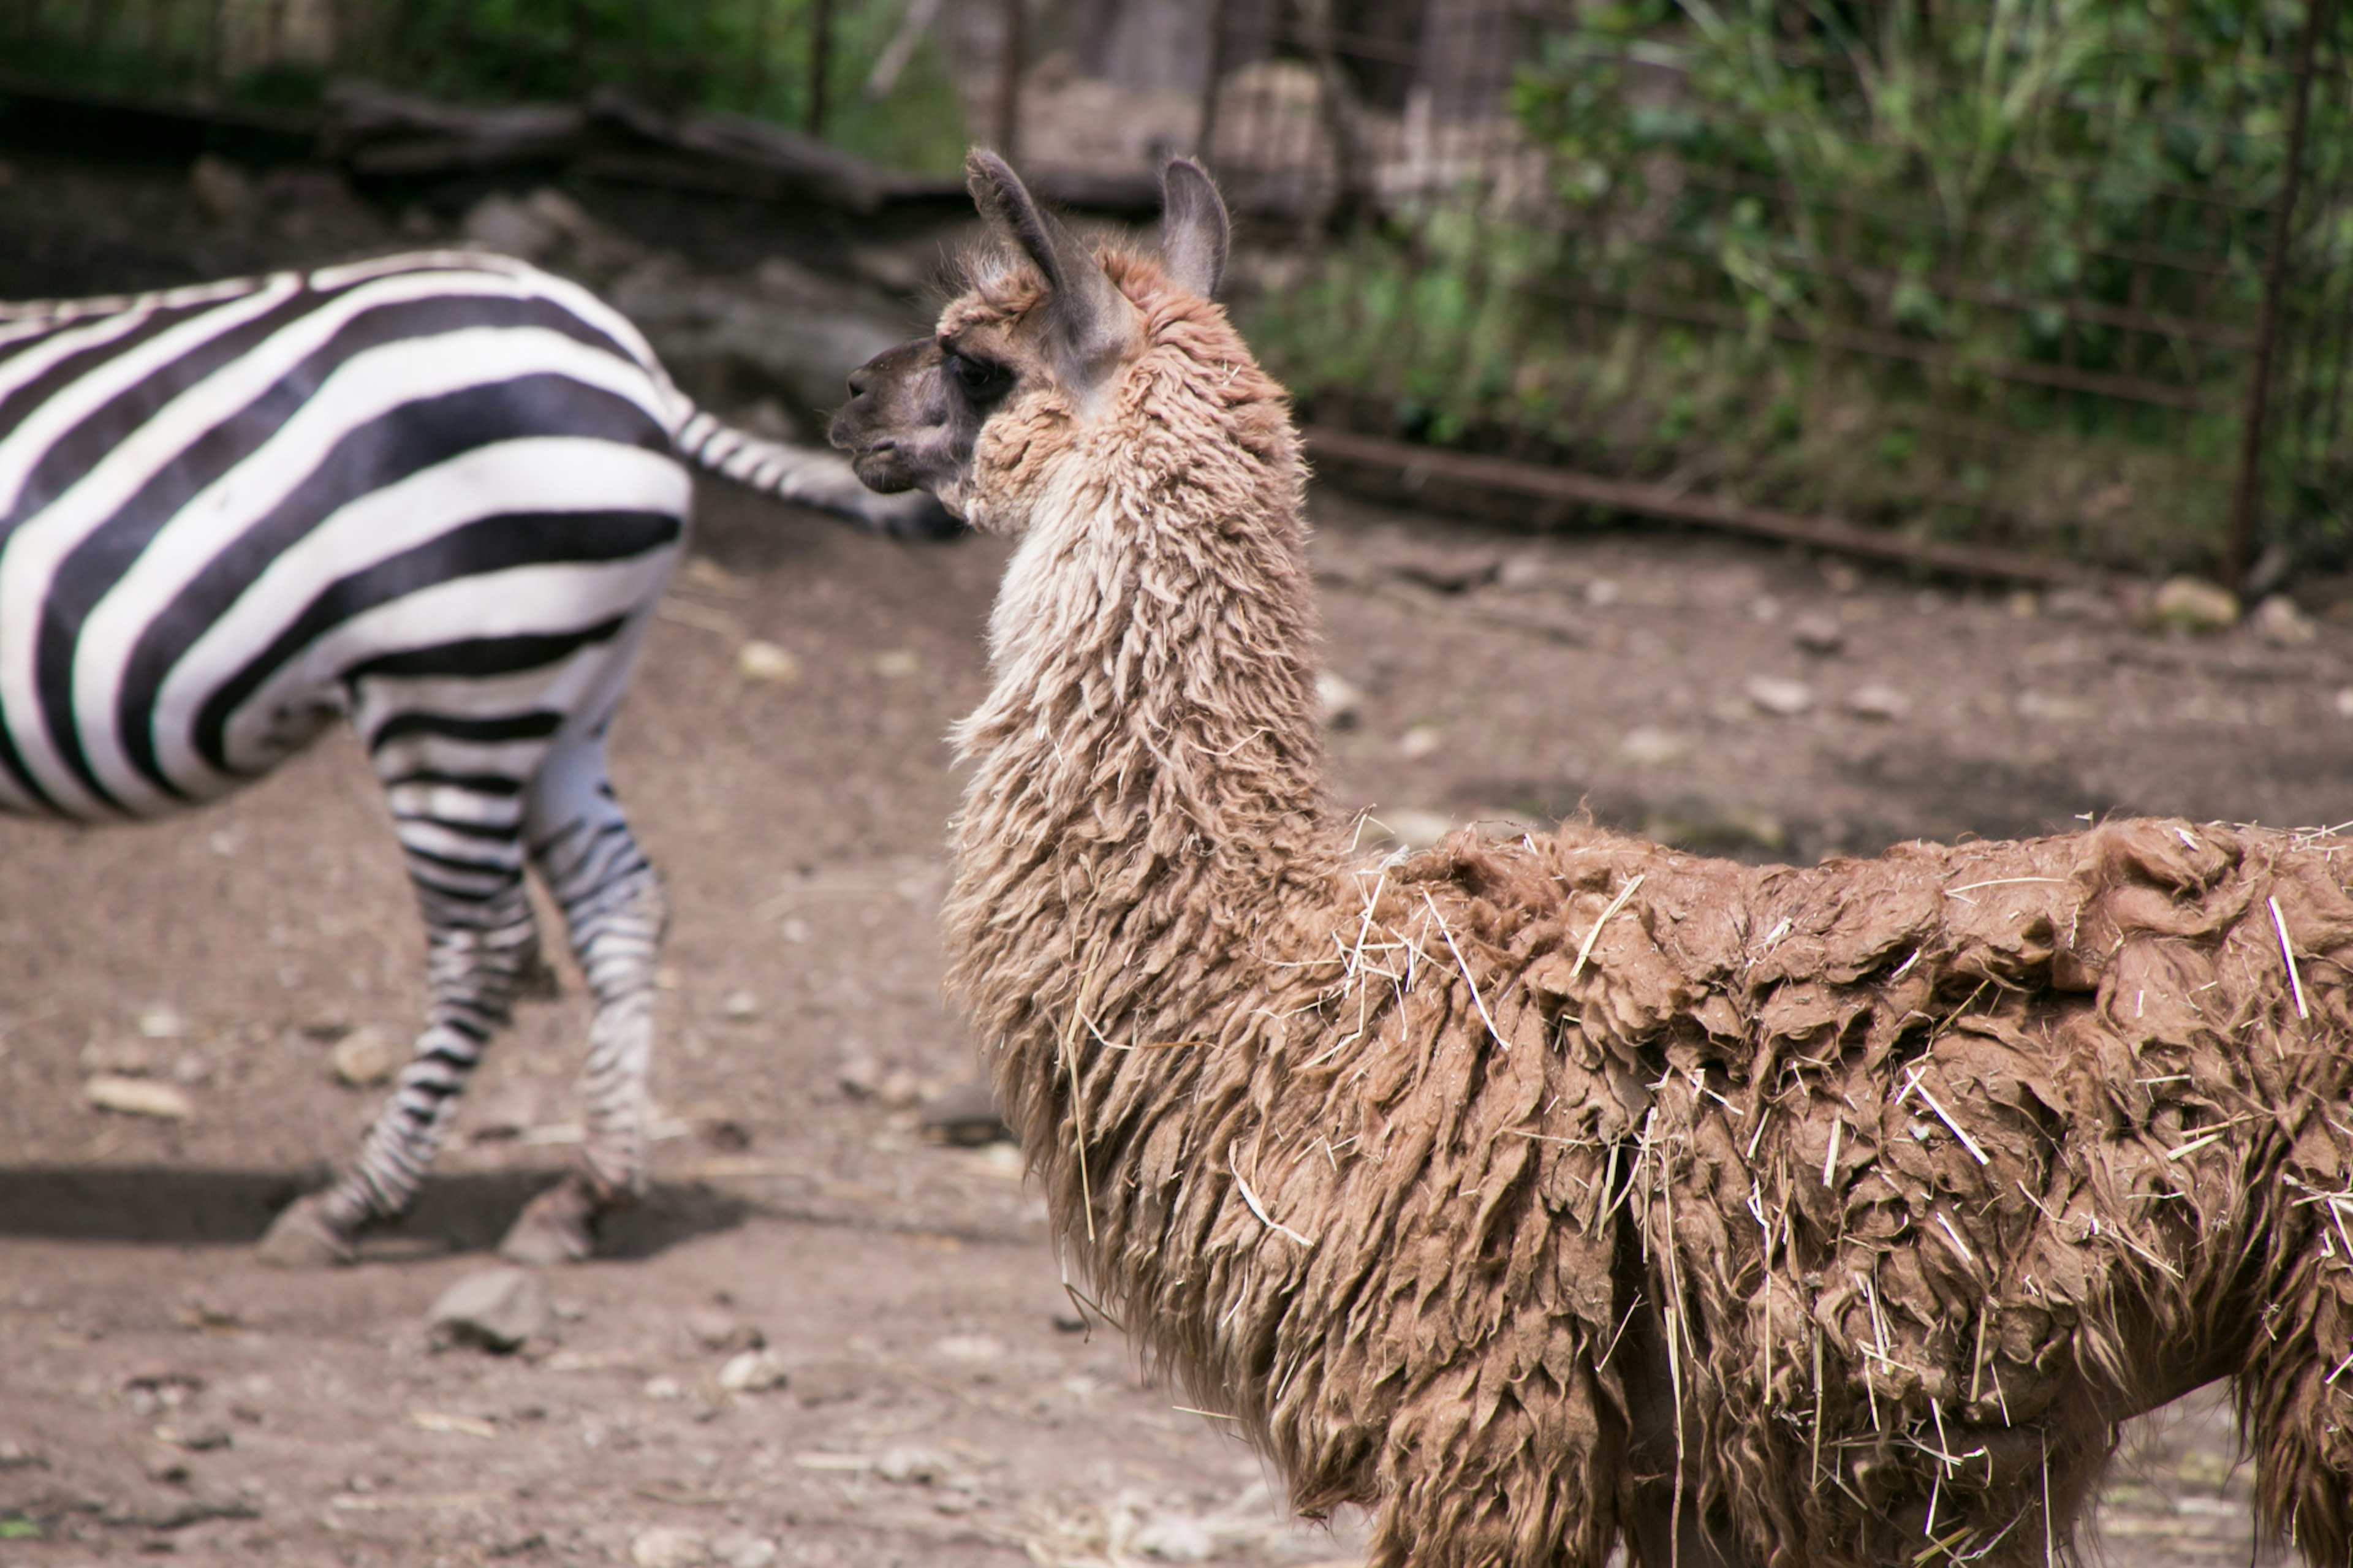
x: 612, y: 904
x: 480, y: 943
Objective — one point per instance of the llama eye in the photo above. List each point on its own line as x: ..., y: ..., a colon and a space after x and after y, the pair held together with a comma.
x: 978, y: 378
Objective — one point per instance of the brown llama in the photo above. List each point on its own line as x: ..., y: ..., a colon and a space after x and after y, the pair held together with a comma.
x: 1547, y: 1193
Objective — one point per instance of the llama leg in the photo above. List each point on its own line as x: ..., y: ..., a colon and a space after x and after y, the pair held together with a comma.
x: 479, y: 944
x: 2296, y: 1398
x: 612, y: 904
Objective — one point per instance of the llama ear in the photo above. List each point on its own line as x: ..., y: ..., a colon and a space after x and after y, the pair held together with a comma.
x: 1195, y: 232
x: 1093, y: 324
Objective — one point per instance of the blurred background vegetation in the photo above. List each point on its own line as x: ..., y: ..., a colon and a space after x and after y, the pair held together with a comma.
x: 2008, y: 272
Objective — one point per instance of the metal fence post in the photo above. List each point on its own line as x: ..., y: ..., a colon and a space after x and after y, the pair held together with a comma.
x: 820, y: 61
x: 2238, y: 552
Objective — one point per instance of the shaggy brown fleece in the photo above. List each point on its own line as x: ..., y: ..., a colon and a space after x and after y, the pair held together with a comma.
x: 1481, y: 1185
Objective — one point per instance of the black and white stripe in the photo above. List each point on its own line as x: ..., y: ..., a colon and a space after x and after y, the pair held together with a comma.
x: 440, y: 495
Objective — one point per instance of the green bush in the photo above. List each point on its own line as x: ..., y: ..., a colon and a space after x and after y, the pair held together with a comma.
x: 1988, y: 270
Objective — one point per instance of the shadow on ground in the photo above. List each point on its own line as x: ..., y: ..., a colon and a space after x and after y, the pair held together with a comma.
x: 164, y: 1206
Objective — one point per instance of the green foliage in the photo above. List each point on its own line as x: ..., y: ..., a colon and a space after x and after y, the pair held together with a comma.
x: 749, y: 56
x: 1990, y: 269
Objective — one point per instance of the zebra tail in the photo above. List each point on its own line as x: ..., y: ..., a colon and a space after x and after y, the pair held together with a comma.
x: 810, y: 475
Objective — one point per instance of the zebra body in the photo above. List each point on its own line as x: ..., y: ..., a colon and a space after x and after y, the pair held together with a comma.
x: 439, y: 495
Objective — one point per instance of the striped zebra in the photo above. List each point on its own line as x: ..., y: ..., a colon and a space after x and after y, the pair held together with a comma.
x: 439, y: 495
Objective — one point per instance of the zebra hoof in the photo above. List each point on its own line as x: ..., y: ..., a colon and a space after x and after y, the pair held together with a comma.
x: 557, y: 1226
x: 300, y: 1237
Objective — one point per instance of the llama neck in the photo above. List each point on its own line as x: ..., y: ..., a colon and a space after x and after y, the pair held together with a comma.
x: 1147, y: 803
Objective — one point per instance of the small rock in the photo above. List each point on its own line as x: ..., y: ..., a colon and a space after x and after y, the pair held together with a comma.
x: 1406, y: 827
x: 973, y: 1350
x: 222, y: 190
x: 2025, y: 604
x: 497, y: 1310
x: 1602, y: 593
x: 1174, y: 1538
x: 723, y: 1332
x: 1448, y: 572
x: 201, y: 1437
x: 1877, y: 700
x: 754, y: 1372
x: 123, y: 1058
x: 1817, y: 634
x: 911, y: 1464
x: 898, y: 1089
x: 1343, y: 704
x: 166, y: 1465
x: 15, y: 1456
x: 1764, y: 607
x: 365, y: 1057
x: 2194, y: 605
x: 899, y: 663
x: 2281, y: 622
x: 964, y: 1114
x: 1782, y: 697
x: 2343, y: 702
x: 743, y: 1552
x: 1646, y: 746
x: 138, y: 1097
x: 663, y: 1547
x: 498, y: 222
x: 1421, y: 740
x: 739, y: 1005
x: 767, y: 661
x: 663, y: 1388
x: 861, y: 1074
x: 1521, y: 572
x: 162, y: 1024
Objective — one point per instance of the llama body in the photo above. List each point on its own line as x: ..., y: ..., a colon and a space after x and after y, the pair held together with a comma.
x: 440, y: 495
x: 1546, y: 1194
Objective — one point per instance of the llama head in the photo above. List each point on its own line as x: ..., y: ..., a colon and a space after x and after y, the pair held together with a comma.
x: 1039, y: 345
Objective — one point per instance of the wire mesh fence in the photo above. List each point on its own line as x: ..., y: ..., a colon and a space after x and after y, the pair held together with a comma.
x: 2063, y: 277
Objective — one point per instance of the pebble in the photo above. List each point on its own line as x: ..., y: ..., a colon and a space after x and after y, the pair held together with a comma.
x: 1174, y: 1538
x: 899, y: 663
x: 365, y: 1057
x: 663, y: 1547
x: 911, y: 1464
x: 161, y: 1023
x: 1341, y: 702
x: 2194, y: 605
x: 1406, y: 827
x: 1877, y: 700
x: 138, y: 1097
x: 964, y: 1114
x: 754, y: 1372
x: 973, y: 1350
x: 199, y: 1439
x: 745, y: 1550
x: 496, y: 1310
x: 757, y: 661
x: 1817, y: 634
x: 723, y: 1331
x: 1646, y: 746
x: 1782, y: 697
x: 2281, y: 622
x: 1421, y: 740
x: 739, y: 1005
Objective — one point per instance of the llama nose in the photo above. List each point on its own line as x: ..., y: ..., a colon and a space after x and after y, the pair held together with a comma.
x: 859, y: 382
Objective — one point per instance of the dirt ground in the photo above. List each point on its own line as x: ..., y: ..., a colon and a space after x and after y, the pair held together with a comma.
x: 162, y: 1394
